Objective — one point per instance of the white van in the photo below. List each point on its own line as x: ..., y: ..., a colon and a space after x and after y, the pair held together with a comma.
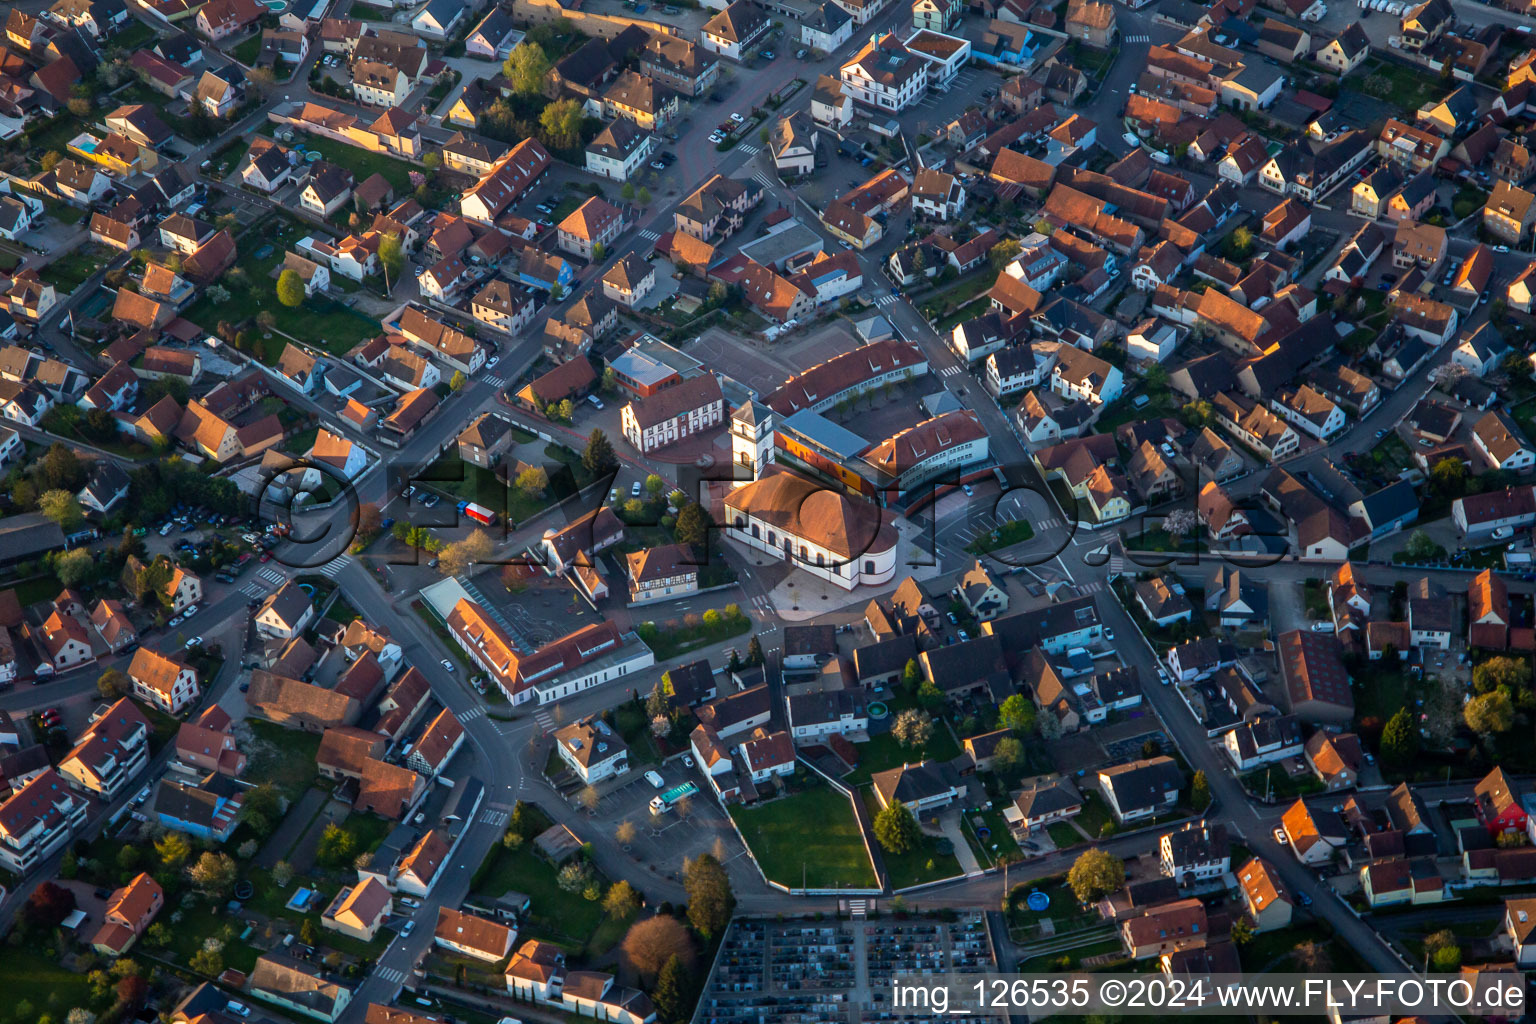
x: 595, y: 401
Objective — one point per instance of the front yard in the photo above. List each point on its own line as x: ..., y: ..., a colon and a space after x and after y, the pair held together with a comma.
x: 71, y: 270
x: 884, y: 751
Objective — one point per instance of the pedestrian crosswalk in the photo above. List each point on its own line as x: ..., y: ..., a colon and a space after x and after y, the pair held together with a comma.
x: 761, y: 177
x: 1138, y: 39
x: 255, y: 588
x: 271, y: 575
x: 545, y: 721
x: 495, y: 382
x: 858, y: 908
x: 390, y: 975
x: 650, y: 235
x: 471, y: 714
x: 496, y: 819
x: 762, y: 604
x: 949, y: 371
x: 887, y: 299
x: 335, y: 565
x: 748, y: 148
x: 1090, y: 587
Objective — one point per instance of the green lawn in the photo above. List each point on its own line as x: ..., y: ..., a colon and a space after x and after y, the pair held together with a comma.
x: 322, y: 322
x: 777, y: 832
x: 135, y: 35
x: 883, y: 751
x: 1380, y: 690
x: 671, y: 638
x: 283, y: 757
x: 1095, y: 814
x: 1007, y: 535
x: 629, y: 719
x: 364, y: 164
x: 71, y: 270
x: 27, y: 974
x: 459, y: 479
x: 925, y: 862
x: 1408, y: 88
x: 1063, y: 835
x: 559, y: 916
x: 247, y: 52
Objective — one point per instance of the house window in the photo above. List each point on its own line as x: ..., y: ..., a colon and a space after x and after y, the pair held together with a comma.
x: 754, y: 531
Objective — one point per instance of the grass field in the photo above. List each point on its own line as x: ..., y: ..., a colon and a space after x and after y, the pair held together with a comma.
x: 559, y: 916
x: 26, y: 974
x: 321, y: 322
x: 283, y: 757
x: 776, y: 832
x: 71, y: 270
x: 364, y: 164
x: 883, y: 751
x: 925, y: 862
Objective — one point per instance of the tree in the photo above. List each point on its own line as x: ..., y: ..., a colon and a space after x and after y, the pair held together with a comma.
x: 533, y: 481
x: 51, y: 160
x: 674, y: 992
x: 754, y: 651
x: 1446, y: 959
x: 1502, y: 673
x: 132, y: 991
x: 599, y: 252
x: 526, y: 68
x: 1421, y: 546
x: 622, y: 900
x: 457, y: 381
x: 74, y: 567
x: 460, y: 555
x: 561, y: 122
x: 1095, y: 874
x: 1489, y: 713
x: 207, y: 962
x: 574, y: 876
x: 649, y: 944
x: 1400, y: 740
x: 1449, y: 476
x: 1242, y: 931
x: 598, y: 458
x: 911, y: 676
x: 896, y: 829
x: 709, y: 895
x: 48, y: 906
x: 337, y: 847
x: 1007, y: 755
x: 79, y: 1015
x: 1181, y: 522
x: 693, y: 525
x: 401, y: 531
x: 282, y: 874
x: 1200, y: 791
x: 247, y: 849
x: 1240, y: 242
x: 1311, y: 957
x: 643, y: 196
x: 654, y: 485
x: 214, y: 874
x: 1003, y: 252
x: 391, y: 258
x: 912, y: 728
x: 174, y: 849
x: 113, y: 684
x: 62, y: 507
x: 290, y: 289
x: 369, y: 520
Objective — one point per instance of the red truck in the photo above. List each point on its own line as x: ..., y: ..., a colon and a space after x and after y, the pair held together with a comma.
x: 479, y: 513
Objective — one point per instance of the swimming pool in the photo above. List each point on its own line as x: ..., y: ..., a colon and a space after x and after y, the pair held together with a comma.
x: 275, y: 6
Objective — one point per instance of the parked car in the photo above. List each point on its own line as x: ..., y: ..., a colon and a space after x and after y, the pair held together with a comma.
x: 447, y: 664
x: 196, y: 641
x: 1281, y: 837
x: 654, y: 779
